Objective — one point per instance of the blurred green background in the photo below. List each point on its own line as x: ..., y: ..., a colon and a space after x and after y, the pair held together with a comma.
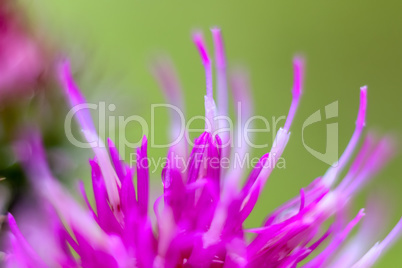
x: 346, y: 44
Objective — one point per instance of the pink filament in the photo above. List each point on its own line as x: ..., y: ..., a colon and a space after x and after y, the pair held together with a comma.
x: 298, y: 74
x: 202, y: 49
x: 332, y: 174
x: 84, y: 119
x: 220, y: 63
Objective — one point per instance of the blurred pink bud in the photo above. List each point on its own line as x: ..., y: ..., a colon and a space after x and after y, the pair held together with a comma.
x: 21, y: 58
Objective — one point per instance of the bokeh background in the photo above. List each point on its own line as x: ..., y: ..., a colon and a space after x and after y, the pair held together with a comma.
x: 346, y: 44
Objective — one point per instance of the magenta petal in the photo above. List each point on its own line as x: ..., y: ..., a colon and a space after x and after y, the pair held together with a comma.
x: 143, y: 177
x: 106, y: 218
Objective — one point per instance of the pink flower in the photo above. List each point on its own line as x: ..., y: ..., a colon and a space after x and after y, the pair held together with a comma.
x: 200, y: 223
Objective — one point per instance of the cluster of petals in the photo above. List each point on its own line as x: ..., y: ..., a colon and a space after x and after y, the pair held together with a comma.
x: 201, y: 213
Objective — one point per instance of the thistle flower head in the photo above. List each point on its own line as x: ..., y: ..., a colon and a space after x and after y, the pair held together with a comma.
x: 200, y: 216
